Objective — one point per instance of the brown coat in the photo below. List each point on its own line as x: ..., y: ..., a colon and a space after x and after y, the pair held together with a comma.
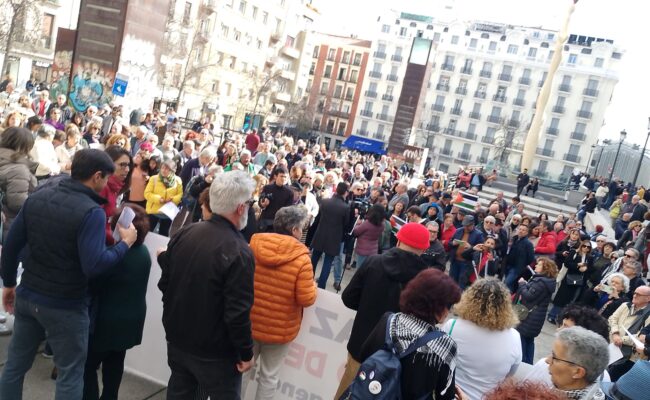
x: 284, y: 284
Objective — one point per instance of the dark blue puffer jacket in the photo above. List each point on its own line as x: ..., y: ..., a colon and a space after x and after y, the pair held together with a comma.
x: 536, y: 293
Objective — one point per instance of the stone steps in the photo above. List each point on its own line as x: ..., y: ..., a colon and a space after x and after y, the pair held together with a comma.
x: 533, y: 207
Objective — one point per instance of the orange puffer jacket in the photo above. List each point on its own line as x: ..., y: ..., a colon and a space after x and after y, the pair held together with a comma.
x: 284, y: 284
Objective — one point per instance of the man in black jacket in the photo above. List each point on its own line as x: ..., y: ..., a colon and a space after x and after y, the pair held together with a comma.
x: 274, y: 196
x: 376, y: 287
x: 520, y: 254
x: 435, y: 256
x: 207, y: 286
x: 522, y: 181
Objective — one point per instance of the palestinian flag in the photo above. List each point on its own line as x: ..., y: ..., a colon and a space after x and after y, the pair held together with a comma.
x: 466, y: 202
x: 396, y: 223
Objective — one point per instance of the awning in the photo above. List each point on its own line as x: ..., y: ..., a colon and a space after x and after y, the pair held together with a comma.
x: 364, y: 144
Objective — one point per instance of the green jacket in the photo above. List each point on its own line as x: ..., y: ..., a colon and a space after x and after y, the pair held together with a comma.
x: 120, y: 300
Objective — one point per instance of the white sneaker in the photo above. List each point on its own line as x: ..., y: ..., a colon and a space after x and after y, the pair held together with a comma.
x: 4, y: 331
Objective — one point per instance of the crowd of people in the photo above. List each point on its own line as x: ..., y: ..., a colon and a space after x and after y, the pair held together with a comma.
x: 263, y: 220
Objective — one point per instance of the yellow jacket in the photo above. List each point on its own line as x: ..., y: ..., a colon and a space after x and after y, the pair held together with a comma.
x: 156, y: 190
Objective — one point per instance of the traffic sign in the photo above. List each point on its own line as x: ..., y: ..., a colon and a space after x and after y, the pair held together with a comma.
x: 119, y: 84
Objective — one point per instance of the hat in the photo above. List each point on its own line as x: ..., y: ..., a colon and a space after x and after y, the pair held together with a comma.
x: 635, y: 384
x: 468, y: 220
x: 446, y: 195
x: 146, y: 146
x: 414, y: 235
x: 296, y: 186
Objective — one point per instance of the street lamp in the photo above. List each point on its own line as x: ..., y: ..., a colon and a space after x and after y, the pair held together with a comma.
x: 638, y: 167
x: 620, y: 142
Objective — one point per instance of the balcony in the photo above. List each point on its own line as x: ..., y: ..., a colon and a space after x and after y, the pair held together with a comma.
x: 447, y: 67
x: 574, y: 158
x: 578, y: 136
x: 288, y: 75
x: 349, y: 97
x: 584, y: 114
x: 392, y: 77
x: 442, y: 87
x: 352, y: 80
x: 461, y: 90
x: 327, y: 75
x: 291, y: 52
x: 479, y: 95
x: 467, y: 135
x: 363, y: 132
x: 590, y: 92
x: 366, y: 113
x: 481, y: 160
x: 387, y: 97
x: 514, y: 123
x: 552, y: 131
x: 564, y: 88
x: 519, y: 102
x: 464, y: 156
x: 379, y: 54
x: 372, y: 94
x: 282, y: 97
x: 475, y: 115
x: 505, y: 77
x: 438, y: 107
x: 540, y: 83
x: 466, y: 71
x: 346, y: 60
x: 384, y: 117
x: 450, y: 132
x: 545, y: 152
x: 340, y: 114
x: 524, y: 81
x: 447, y: 152
x: 487, y: 139
x: 558, y: 109
x: 433, y: 127
x: 495, y: 119
x: 456, y: 111
x: 485, y: 74
x: 374, y: 74
x: 356, y: 62
x: 500, y: 99
x: 396, y: 58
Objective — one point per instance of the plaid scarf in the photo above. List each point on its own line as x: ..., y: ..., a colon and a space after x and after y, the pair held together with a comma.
x: 405, y: 329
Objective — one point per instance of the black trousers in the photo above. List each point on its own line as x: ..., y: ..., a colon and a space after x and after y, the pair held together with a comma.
x: 194, y: 377
x: 165, y: 224
x: 112, y: 363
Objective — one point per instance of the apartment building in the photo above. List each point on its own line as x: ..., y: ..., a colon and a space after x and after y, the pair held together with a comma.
x: 627, y: 162
x: 243, y: 58
x: 337, y: 66
x: 482, y: 91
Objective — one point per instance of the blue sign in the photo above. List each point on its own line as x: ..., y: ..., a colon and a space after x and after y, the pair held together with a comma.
x: 119, y: 85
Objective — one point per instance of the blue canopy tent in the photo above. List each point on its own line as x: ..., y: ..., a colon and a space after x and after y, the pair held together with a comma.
x: 364, y: 144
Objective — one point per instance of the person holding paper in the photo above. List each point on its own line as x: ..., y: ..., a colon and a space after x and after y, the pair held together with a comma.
x: 64, y: 227
x: 118, y: 184
x: 163, y: 189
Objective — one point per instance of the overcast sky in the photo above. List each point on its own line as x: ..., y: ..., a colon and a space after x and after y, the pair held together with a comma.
x: 629, y: 26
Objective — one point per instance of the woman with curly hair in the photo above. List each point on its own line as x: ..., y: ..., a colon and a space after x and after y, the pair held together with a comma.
x: 511, y: 389
x: 489, y: 348
x: 119, y: 140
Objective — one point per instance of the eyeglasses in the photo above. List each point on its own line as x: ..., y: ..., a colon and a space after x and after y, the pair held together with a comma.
x: 553, y: 359
x: 433, y: 232
x: 586, y: 247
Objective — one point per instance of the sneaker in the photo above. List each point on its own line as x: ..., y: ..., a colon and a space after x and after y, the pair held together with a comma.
x: 337, y: 286
x: 4, y: 330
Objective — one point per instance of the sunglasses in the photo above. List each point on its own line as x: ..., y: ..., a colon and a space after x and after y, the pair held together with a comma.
x: 586, y: 247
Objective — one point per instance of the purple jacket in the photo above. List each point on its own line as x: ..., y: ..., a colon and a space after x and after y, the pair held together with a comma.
x: 367, y: 236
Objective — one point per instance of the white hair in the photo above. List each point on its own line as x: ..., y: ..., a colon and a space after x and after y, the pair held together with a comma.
x: 585, y: 348
x: 209, y: 152
x: 229, y: 190
x: 244, y: 153
x: 625, y: 279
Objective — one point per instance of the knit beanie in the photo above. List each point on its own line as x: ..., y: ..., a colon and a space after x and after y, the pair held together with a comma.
x: 414, y: 235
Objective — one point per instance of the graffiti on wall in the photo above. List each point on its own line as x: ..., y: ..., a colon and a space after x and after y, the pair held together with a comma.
x: 91, y: 85
x: 62, y: 65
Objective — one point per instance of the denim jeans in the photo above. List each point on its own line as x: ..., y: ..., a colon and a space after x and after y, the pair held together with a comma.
x: 555, y: 312
x: 327, y: 266
x: 527, y: 349
x: 361, y: 259
x: 458, y: 272
x: 66, y: 332
x: 218, y: 378
x: 510, y: 278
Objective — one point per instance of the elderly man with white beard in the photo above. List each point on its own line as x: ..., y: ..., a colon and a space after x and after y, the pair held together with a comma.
x: 207, y: 286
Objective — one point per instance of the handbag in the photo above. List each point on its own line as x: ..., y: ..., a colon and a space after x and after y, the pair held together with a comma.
x: 521, y: 310
x: 574, y: 279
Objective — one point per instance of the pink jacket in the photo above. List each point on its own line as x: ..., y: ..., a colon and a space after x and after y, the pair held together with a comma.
x: 367, y: 238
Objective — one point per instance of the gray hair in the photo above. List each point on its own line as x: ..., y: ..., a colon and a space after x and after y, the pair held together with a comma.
x: 46, y: 131
x: 585, y: 348
x: 635, y: 251
x: 288, y: 218
x: 229, y: 190
x: 245, y: 152
x: 625, y: 279
x: 209, y: 152
x: 433, y: 224
x: 638, y: 267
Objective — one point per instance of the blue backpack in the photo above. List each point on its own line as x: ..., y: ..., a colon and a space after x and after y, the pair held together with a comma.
x: 380, y: 374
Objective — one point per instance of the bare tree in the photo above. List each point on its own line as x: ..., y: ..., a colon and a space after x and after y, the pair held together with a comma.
x: 298, y: 115
x: 506, y: 138
x: 20, y: 26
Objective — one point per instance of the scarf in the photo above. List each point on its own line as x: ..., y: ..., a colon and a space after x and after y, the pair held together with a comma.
x: 169, y: 182
x: 590, y: 392
x: 571, y: 243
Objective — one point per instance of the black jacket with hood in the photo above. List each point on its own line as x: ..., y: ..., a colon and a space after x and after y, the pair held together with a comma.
x: 375, y: 289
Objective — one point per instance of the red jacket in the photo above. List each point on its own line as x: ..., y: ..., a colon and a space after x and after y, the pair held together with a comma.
x: 446, y: 236
x: 546, y: 244
x: 559, y: 236
x: 111, y: 192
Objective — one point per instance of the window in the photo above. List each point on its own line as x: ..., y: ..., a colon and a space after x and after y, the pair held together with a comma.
x: 550, y: 55
x: 255, y: 9
x: 436, y: 37
x: 526, y: 73
x: 471, y: 128
x: 372, y: 87
x: 477, y: 108
x: 555, y: 123
x: 467, y: 148
x: 331, y: 54
x: 224, y: 30
x: 384, y: 109
x: 357, y: 59
x: 543, y: 164
x: 492, y: 46
x: 566, y: 80
x: 532, y: 52
x: 377, y: 67
x: 265, y: 17
x: 489, y: 133
x: 487, y: 66
x: 398, y: 51
x: 385, y: 28
x: 228, y: 89
x: 440, y: 100
x: 259, y: 44
x: 242, y: 7
x: 338, y: 91
x: 586, y: 106
x: 393, y: 70
x: 496, y: 111
x: 458, y: 104
x: 368, y: 106
x: 342, y: 73
x: 447, y: 145
x: 462, y: 84
x: 349, y: 94
x: 574, y: 149
x: 380, y: 130
x: 507, y: 70
x: 46, y: 30
x: 449, y: 60
x: 237, y: 35
x: 354, y: 76
x: 616, y: 55
x: 323, y: 88
x: 346, y: 57
x: 580, y: 127
x: 233, y: 62
x: 454, y: 39
x: 315, y: 53
x: 550, y: 36
x: 560, y: 101
x: 599, y: 62
x: 187, y: 12
x: 473, y: 43
x: 592, y: 84
x: 290, y: 40
x: 521, y: 93
x: 402, y: 31
x: 573, y: 58
x: 513, y: 49
x: 413, y: 25
x: 328, y: 71
x: 389, y: 90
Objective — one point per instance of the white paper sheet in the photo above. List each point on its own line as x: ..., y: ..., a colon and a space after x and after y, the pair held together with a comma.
x: 635, y: 340
x: 169, y: 209
x: 125, y: 220
x: 614, y: 353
